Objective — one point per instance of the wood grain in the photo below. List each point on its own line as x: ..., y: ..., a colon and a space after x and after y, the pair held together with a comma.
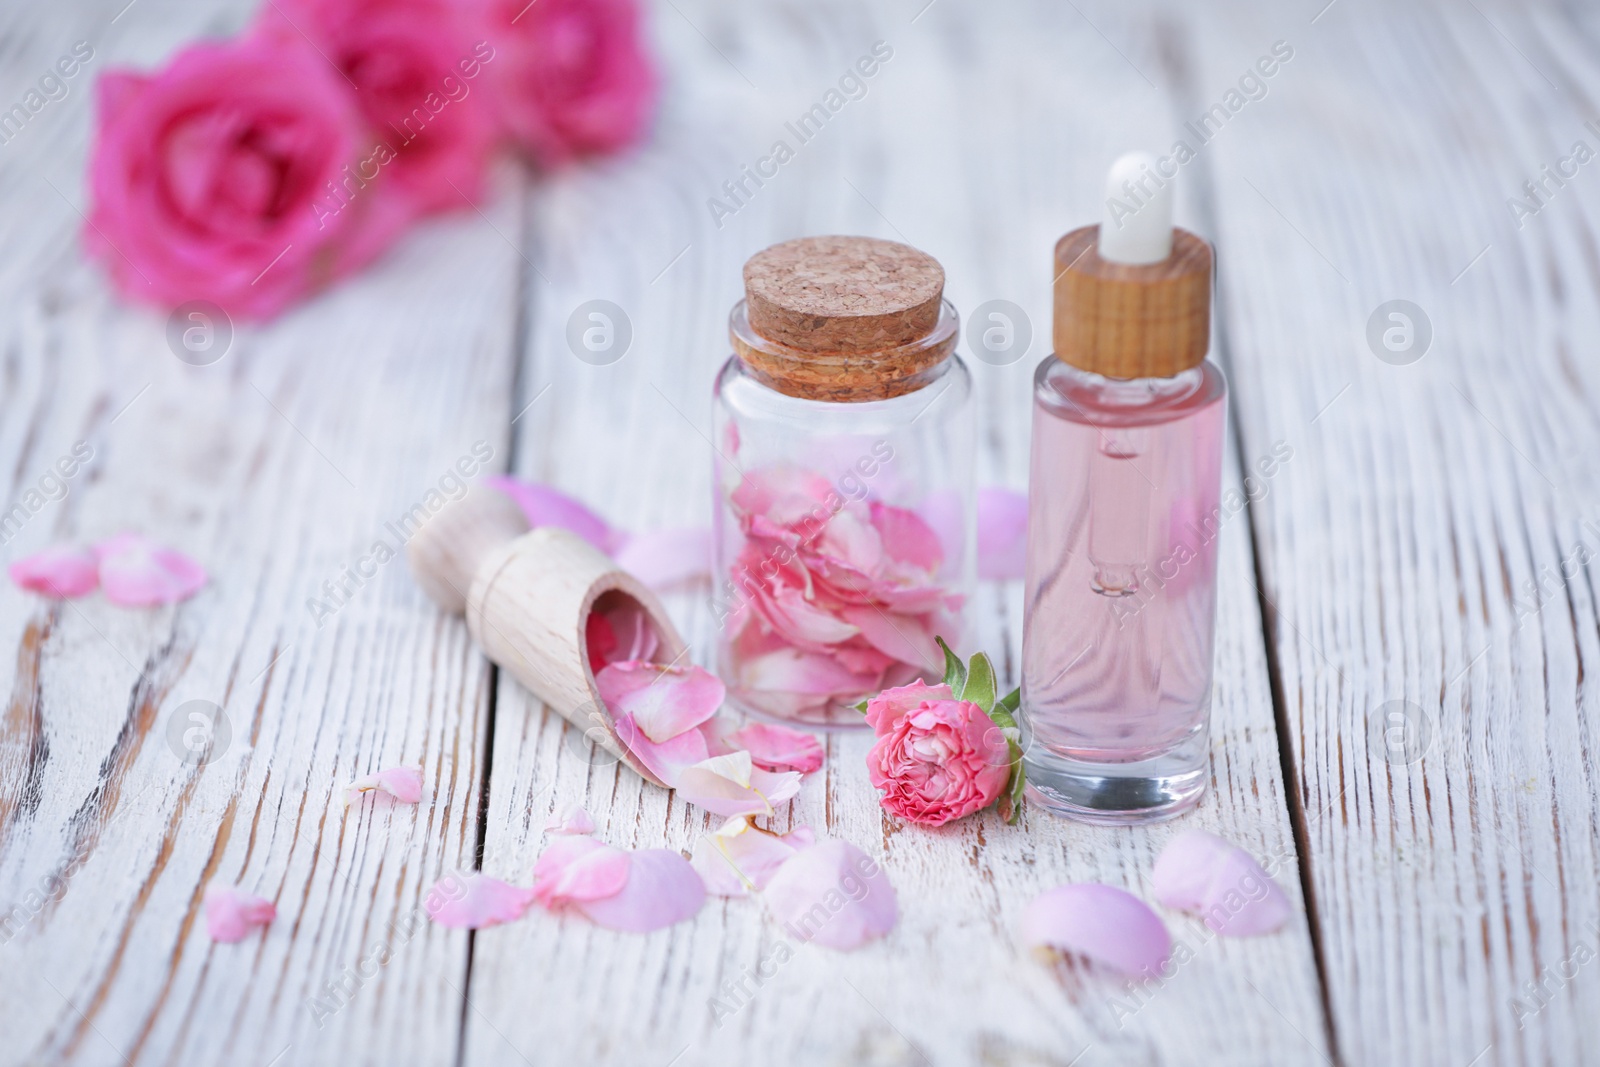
x: 1425, y: 550
x: 1122, y: 320
x: 277, y: 467
x: 1428, y: 554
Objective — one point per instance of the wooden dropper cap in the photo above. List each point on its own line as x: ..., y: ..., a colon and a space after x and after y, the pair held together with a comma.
x: 527, y: 595
x: 843, y: 318
x: 1118, y: 312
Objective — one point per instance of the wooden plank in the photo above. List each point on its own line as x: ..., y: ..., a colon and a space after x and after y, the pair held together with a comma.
x: 1429, y: 550
x: 978, y: 142
x: 278, y: 467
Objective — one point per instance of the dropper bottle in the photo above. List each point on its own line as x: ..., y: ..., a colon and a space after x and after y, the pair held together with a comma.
x: 1128, y: 424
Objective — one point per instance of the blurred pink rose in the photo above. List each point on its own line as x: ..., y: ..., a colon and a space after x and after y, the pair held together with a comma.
x: 936, y: 758
x: 416, y: 67
x: 572, y: 76
x: 204, y: 178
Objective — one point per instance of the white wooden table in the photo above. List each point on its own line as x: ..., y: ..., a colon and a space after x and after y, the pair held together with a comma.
x: 1428, y: 543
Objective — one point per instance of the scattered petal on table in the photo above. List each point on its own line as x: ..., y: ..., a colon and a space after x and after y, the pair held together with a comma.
x: 665, y: 558
x: 230, y: 914
x: 832, y: 894
x: 402, y: 783
x: 60, y: 571
x: 663, y: 701
x: 474, y: 901
x: 1205, y: 874
x: 778, y: 748
x: 662, y: 889
x: 739, y: 858
x: 1002, y: 533
x: 574, y: 869
x: 1100, y: 922
x: 572, y: 820
x: 137, y: 572
x: 731, y: 785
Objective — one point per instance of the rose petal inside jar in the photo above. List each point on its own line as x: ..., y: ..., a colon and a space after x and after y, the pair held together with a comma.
x: 835, y: 598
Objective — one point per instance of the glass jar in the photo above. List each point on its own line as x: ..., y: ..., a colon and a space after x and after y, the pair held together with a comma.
x: 844, y: 527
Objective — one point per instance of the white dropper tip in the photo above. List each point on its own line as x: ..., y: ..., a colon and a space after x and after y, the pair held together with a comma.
x: 1136, y: 225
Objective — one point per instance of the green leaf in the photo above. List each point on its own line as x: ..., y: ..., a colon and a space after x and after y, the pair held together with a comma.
x: 1004, y: 712
x: 1011, y: 800
x: 1003, y: 718
x: 861, y: 707
x: 980, y: 685
x: 955, y: 672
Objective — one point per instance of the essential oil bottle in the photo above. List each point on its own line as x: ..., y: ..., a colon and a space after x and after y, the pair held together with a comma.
x: 1128, y: 423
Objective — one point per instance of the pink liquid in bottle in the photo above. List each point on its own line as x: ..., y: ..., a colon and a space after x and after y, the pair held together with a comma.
x: 1121, y: 591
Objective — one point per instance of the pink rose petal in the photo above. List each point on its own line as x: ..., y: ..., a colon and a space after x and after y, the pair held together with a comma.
x: 619, y: 634
x: 791, y: 613
x: 1002, y: 533
x: 60, y: 571
x: 832, y: 894
x: 545, y: 506
x: 404, y: 784
x: 475, y: 901
x: 230, y: 914
x: 731, y: 785
x: 907, y: 537
x: 572, y: 820
x: 661, y: 889
x: 574, y: 869
x: 1184, y: 869
x: 739, y: 858
x: 667, y: 760
x: 136, y: 572
x: 1205, y: 874
x: 885, y: 710
x: 791, y: 670
x: 1100, y: 922
x: 901, y: 637
x: 776, y: 786
x: 665, y: 558
x: 663, y: 701
x: 778, y: 748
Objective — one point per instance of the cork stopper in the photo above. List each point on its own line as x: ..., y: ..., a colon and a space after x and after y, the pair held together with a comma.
x: 843, y: 318
x: 1149, y: 320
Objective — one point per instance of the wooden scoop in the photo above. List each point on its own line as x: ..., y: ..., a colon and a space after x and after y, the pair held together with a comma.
x: 527, y: 595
